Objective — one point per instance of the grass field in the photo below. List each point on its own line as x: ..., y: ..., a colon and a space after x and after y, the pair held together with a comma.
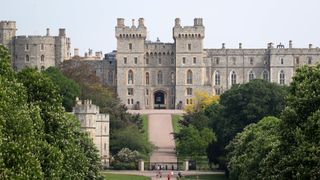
x: 124, y: 177
x: 175, y: 124
x: 206, y: 177
x: 145, y: 127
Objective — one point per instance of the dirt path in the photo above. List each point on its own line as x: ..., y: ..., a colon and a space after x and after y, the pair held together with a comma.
x: 160, y: 129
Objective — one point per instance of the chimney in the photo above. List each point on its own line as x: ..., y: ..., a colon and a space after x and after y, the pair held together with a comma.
x: 290, y: 44
x: 240, y: 45
x: 177, y: 22
x: 132, y: 23
x: 223, y: 46
x: 76, y: 52
x: 48, y: 32
x: 310, y: 46
x: 62, y: 32
x: 141, y: 22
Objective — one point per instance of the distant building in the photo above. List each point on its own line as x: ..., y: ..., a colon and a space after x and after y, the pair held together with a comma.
x: 96, y: 125
x: 34, y: 51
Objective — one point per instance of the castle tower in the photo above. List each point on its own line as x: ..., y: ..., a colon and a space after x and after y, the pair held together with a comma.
x: 7, y: 34
x: 130, y: 59
x: 62, y: 48
x: 190, y: 71
x: 96, y: 125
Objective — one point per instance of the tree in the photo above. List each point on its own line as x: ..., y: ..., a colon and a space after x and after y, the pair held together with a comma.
x: 298, y: 154
x: 201, y: 100
x: 68, y: 89
x: 192, y: 143
x: 251, y: 147
x: 240, y: 106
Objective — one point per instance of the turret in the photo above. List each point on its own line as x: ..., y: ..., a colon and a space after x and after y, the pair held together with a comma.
x: 7, y: 33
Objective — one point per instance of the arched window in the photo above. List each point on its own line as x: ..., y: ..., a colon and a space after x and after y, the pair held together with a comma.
x: 233, y: 78
x: 147, y: 78
x: 282, y: 77
x: 172, y: 78
x: 189, y: 77
x: 27, y: 58
x: 217, y: 78
x: 130, y: 77
x: 159, y: 77
x: 42, y: 68
x: 265, y: 75
x: 251, y: 76
x: 42, y: 58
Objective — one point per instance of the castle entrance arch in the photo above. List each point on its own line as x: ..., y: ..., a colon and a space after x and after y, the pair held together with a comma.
x: 159, y: 99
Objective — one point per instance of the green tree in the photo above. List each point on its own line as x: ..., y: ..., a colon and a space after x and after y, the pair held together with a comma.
x: 240, y: 106
x: 298, y: 154
x: 251, y: 147
x: 68, y: 89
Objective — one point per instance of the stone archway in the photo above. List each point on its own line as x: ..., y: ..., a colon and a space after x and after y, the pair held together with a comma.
x: 159, y: 99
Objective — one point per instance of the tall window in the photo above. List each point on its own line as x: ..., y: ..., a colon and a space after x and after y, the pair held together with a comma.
x: 282, y: 77
x: 130, y: 46
x: 147, y: 78
x: 172, y: 78
x: 159, y: 61
x: 265, y: 75
x: 147, y: 61
x: 160, y: 77
x: 281, y: 60
x: 183, y: 60
x: 233, y: 78
x: 217, y: 60
x: 251, y: 60
x: 27, y: 58
x: 172, y: 61
x: 42, y: 58
x: 297, y: 60
x: 217, y: 91
x: 130, y: 91
x: 309, y: 60
x: 189, y: 91
x: 217, y: 78
x: 189, y: 47
x: 135, y: 60
x: 233, y: 60
x: 251, y: 76
x: 130, y: 77
x: 42, y: 47
x: 194, y: 60
x: 27, y: 47
x: 189, y: 77
x: 42, y: 68
x: 125, y: 60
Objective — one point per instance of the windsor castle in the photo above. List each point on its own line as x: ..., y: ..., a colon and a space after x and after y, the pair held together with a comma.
x: 149, y: 75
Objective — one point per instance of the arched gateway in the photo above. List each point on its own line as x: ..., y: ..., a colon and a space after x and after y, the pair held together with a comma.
x: 160, y: 101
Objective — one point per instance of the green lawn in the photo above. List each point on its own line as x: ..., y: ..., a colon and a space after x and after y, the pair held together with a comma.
x: 124, y: 177
x: 145, y: 127
x: 207, y: 177
x: 175, y: 124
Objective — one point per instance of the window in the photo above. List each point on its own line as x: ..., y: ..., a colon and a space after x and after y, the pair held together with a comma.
x: 251, y: 76
x: 217, y: 60
x: 183, y: 60
x: 281, y: 60
x: 189, y: 101
x: 130, y: 77
x: 135, y: 60
x: 159, y: 77
x: 131, y: 101
x: 194, y: 60
x: 189, y: 77
x: 282, y: 77
x: 128, y: 101
x: 27, y: 47
x: 233, y: 60
x: 110, y: 77
x: 147, y: 61
x: 42, y: 58
x: 159, y: 61
x: 217, y: 91
x: 172, y: 78
x: 233, y: 78
x: 125, y: 60
x: 309, y: 60
x: 147, y: 91
x: 27, y: 58
x: 130, y: 91
x: 147, y: 78
x: 42, y: 68
x: 172, y: 61
x: 189, y: 91
x: 251, y: 60
x: 265, y: 75
x: 42, y: 47
x: 217, y: 78
x: 297, y: 60
x: 105, y: 146
x: 189, y: 47
x: 130, y: 46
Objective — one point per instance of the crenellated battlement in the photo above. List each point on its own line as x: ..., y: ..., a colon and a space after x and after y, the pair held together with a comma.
x: 123, y: 31
x: 7, y: 25
x: 189, y: 32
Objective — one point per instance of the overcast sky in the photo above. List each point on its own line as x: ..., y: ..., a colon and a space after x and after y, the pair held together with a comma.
x: 90, y: 23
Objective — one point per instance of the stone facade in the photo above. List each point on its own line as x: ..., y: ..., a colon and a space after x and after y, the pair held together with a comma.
x: 166, y: 75
x: 96, y: 125
x: 34, y: 51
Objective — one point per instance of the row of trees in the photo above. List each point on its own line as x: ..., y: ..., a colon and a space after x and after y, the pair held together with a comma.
x: 38, y: 139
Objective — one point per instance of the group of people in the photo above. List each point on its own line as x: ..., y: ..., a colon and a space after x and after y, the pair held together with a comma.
x: 169, y: 175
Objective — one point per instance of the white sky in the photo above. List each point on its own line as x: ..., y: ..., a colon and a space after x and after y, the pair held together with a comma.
x: 90, y: 23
